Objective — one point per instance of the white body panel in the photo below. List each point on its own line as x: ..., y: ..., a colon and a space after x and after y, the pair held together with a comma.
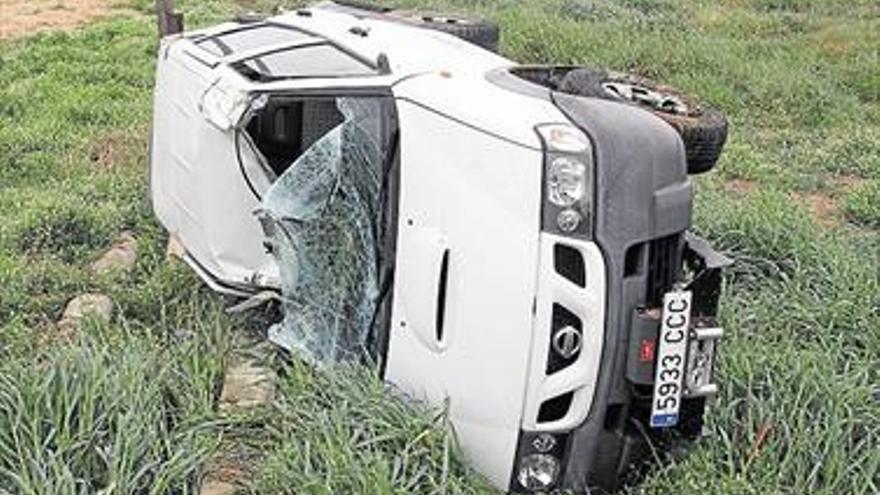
x: 197, y: 189
x: 482, y: 195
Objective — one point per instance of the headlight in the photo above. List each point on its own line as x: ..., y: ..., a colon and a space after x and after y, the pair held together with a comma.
x: 566, y: 181
x: 537, y: 471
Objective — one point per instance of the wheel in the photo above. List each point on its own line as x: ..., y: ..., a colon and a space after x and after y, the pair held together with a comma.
x: 363, y: 5
x: 477, y: 31
x: 702, y: 129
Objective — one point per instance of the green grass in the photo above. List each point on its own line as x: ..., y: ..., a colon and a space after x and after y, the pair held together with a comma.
x: 129, y: 404
x: 335, y: 432
x: 863, y: 203
x: 120, y: 413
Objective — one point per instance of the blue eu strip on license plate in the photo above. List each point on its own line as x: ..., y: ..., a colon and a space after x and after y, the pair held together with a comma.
x: 671, y: 358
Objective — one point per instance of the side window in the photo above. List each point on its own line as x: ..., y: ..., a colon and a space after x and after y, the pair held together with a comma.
x: 250, y: 38
x: 287, y: 126
x: 312, y: 60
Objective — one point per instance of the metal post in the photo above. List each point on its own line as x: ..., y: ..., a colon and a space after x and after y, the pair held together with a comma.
x: 170, y: 22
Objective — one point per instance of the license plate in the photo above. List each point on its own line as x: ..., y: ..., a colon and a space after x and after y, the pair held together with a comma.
x: 671, y: 354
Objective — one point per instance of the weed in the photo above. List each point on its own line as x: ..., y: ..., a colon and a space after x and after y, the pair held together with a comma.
x: 96, y: 418
x: 863, y: 203
x: 343, y: 431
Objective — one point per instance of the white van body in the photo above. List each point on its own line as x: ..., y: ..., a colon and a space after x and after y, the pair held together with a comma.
x: 469, y: 211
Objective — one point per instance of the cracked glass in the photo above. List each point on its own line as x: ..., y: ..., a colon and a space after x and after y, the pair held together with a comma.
x: 323, y: 220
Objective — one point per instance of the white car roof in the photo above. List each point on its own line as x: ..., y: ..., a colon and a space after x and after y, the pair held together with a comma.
x: 428, y: 67
x: 410, y: 50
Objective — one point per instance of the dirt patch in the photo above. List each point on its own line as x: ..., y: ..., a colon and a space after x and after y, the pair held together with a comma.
x: 740, y: 186
x: 104, y: 153
x: 834, y: 41
x: 711, y: 17
x: 117, y: 149
x: 824, y: 207
x: 20, y: 17
x: 847, y: 182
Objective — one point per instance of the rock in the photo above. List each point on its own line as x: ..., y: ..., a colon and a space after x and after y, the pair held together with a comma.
x: 99, y: 305
x: 121, y: 256
x: 175, y: 248
x: 84, y: 304
x: 229, y: 468
x: 246, y: 385
x: 216, y: 487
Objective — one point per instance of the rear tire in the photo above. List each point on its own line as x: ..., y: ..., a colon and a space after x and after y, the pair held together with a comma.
x: 477, y: 31
x: 363, y: 5
x: 702, y: 129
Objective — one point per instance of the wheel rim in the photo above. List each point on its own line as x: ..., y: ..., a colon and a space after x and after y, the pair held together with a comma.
x: 657, y: 100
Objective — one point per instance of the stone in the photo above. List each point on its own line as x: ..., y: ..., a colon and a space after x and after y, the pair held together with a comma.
x: 77, y: 308
x: 175, y: 248
x: 246, y: 385
x: 121, y: 256
x: 228, y: 468
x: 217, y: 487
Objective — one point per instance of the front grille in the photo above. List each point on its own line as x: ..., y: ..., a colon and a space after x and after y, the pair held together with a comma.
x: 569, y: 263
x: 664, y: 267
x: 556, y: 408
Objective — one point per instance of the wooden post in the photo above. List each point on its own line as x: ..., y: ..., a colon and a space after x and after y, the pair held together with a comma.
x: 170, y: 22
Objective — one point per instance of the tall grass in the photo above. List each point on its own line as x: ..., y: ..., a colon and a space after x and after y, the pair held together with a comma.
x: 343, y: 431
x: 102, y: 417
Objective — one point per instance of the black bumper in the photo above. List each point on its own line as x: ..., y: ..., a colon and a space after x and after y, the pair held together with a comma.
x: 642, y: 214
x: 615, y: 446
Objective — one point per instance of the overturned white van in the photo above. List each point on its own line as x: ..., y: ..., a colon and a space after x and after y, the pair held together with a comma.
x: 511, y: 239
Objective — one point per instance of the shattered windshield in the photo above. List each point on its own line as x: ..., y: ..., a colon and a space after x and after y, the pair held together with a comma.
x: 323, y: 220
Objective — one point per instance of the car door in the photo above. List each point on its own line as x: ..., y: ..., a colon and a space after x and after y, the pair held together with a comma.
x: 467, y: 250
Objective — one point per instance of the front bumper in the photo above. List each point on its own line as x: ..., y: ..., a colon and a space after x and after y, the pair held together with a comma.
x: 614, y: 444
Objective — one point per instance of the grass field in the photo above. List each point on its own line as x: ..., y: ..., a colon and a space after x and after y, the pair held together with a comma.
x: 128, y: 405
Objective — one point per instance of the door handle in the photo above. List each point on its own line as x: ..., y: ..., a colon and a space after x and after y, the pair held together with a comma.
x: 423, y: 279
x: 442, y: 283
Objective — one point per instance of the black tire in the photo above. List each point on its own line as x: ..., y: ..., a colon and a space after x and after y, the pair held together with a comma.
x: 702, y: 129
x: 363, y: 5
x: 477, y: 31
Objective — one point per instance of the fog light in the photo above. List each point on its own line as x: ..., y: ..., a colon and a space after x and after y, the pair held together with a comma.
x: 568, y: 220
x: 537, y: 471
x: 544, y: 443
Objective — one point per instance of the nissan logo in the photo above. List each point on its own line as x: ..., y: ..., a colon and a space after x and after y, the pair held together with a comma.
x: 567, y: 342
